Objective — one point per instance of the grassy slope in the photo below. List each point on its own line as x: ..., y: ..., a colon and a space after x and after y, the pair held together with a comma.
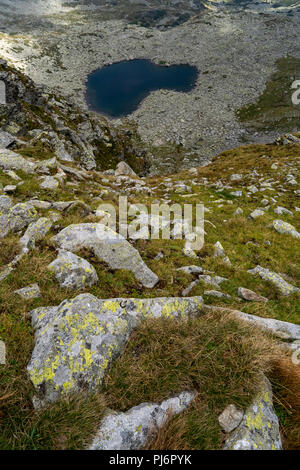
x: 22, y: 428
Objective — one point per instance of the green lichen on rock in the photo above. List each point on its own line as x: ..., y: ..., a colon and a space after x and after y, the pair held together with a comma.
x: 259, y: 429
x: 76, y: 342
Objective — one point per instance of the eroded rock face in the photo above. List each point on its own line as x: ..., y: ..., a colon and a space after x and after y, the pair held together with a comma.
x: 108, y: 246
x: 73, y: 272
x: 267, y: 275
x: 259, y: 429
x: 76, y: 342
x: 230, y: 418
x: 131, y: 430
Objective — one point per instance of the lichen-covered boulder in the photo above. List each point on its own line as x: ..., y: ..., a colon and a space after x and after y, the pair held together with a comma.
x: 17, y: 218
x: 131, y: 430
x: 283, y: 227
x: 5, y: 204
x: 259, y: 429
x: 35, y: 232
x: 284, y: 287
x: 76, y: 342
x: 13, y: 161
x: 109, y: 247
x: 49, y: 182
x: 73, y: 272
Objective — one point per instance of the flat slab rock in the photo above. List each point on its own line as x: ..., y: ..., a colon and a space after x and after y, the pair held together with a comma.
x: 76, y: 342
x: 131, y: 430
x: 109, y: 247
x: 259, y: 429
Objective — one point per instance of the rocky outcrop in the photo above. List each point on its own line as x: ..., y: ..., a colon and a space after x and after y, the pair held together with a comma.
x: 131, y: 430
x: 76, y: 342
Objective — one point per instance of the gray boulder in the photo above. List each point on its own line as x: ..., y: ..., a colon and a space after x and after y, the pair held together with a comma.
x: 13, y: 161
x: 73, y: 272
x: 109, y: 247
x: 76, y: 342
x: 131, y: 430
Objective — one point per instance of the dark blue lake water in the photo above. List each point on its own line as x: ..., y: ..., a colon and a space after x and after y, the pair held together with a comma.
x: 118, y: 89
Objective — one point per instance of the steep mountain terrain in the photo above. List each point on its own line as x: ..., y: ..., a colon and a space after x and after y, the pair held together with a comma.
x: 112, y: 342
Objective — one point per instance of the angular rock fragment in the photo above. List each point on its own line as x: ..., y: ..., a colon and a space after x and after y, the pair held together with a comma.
x: 131, y: 430
x: 230, y: 418
x: 30, y: 292
x: 35, y: 232
x: 73, y: 272
x: 124, y: 169
x: 216, y: 293
x: 2, y: 353
x: 220, y: 253
x: 284, y: 228
x: 191, y: 269
x: 248, y: 294
x: 108, y: 246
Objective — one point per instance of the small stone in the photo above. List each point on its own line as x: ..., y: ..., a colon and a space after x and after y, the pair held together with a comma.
x: 238, y: 211
x: 2, y: 353
x: 216, y: 293
x: 236, y: 177
x: 30, y: 292
x: 191, y: 269
x: 124, y: 169
x: 10, y: 189
x: 247, y: 294
x: 230, y: 418
x: 188, y: 290
x: 256, y: 213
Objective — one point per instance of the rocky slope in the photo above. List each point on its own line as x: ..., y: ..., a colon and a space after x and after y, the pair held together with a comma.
x: 61, y: 49
x: 98, y: 328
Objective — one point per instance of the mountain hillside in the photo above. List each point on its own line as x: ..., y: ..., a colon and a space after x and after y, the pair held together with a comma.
x: 111, y: 342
